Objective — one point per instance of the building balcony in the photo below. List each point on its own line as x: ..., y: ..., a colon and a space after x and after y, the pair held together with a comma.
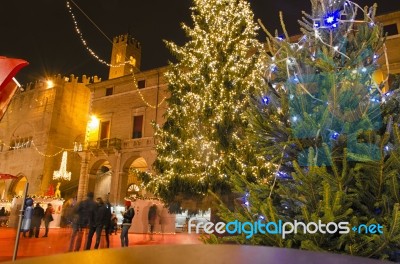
x: 145, y: 142
x: 107, y: 143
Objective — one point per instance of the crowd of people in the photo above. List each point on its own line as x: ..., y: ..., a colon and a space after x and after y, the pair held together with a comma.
x: 4, y: 216
x: 88, y: 218
x: 96, y: 217
x: 33, y: 217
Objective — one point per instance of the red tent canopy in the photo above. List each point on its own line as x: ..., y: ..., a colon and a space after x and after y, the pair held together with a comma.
x: 5, y: 176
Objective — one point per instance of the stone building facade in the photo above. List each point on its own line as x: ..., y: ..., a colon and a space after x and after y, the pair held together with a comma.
x: 391, y: 25
x: 120, y: 137
x: 42, y: 120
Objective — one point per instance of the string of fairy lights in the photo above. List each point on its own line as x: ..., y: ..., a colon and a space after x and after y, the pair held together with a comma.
x: 221, y: 89
x: 85, y: 43
x: 142, y: 97
x: 102, y: 61
x: 31, y: 143
x: 327, y: 22
x: 330, y: 21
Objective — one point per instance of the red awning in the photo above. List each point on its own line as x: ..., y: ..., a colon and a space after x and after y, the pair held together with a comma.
x: 9, y: 67
x: 5, y: 176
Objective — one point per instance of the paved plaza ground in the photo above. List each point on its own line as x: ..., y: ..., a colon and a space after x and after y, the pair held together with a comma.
x: 58, y: 242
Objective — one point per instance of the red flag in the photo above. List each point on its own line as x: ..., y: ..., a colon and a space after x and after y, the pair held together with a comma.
x: 9, y: 67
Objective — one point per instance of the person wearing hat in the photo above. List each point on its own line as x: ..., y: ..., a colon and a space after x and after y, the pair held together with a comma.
x: 126, y: 223
x: 27, y: 220
x: 48, y: 217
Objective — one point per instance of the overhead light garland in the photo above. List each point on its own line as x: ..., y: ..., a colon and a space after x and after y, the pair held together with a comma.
x: 46, y: 155
x: 142, y: 97
x: 91, y: 52
x: 32, y: 143
x: 84, y: 42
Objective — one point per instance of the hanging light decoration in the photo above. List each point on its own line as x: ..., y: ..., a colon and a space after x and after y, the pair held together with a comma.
x: 62, y: 173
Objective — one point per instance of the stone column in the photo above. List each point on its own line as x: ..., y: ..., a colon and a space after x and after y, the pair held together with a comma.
x: 84, y: 176
x: 123, y: 184
x: 117, y: 190
x: 115, y: 180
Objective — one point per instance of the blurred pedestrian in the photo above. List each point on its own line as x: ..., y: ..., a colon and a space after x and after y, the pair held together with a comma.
x: 48, y: 217
x: 83, y: 213
x: 96, y: 223
x: 108, y: 223
x: 114, y: 223
x: 3, y: 218
x: 37, y: 216
x: 27, y: 220
x: 126, y: 223
x: 151, y: 217
x: 3, y: 211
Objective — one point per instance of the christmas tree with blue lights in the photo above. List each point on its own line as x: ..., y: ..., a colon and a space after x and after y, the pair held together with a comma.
x: 329, y: 128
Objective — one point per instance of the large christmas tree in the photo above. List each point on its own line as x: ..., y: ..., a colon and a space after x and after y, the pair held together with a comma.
x: 203, y: 136
x: 328, y: 128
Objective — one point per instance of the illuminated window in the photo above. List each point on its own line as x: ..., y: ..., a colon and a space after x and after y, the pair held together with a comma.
x: 105, y: 130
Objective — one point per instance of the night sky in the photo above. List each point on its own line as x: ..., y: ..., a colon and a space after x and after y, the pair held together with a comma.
x: 42, y: 31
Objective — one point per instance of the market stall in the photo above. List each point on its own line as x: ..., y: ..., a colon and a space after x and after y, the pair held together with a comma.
x: 17, y: 204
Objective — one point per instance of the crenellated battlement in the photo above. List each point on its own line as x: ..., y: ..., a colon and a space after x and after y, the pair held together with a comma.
x: 128, y: 39
x: 59, y: 80
x: 125, y: 56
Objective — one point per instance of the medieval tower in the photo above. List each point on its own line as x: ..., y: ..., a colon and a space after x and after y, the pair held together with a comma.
x: 125, y: 56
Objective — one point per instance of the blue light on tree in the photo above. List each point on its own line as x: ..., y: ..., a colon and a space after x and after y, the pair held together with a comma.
x: 331, y: 19
x: 245, y: 200
x: 283, y: 175
x: 335, y: 135
x: 265, y: 100
x: 317, y: 24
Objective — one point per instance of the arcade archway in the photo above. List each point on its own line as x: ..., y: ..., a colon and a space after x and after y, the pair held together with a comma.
x: 134, y: 187
x: 100, y: 178
x: 17, y: 187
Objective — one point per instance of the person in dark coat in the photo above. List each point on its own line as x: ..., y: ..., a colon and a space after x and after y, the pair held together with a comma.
x: 37, y: 216
x: 126, y: 223
x: 3, y: 219
x: 48, y: 217
x: 2, y: 211
x: 97, y: 223
x: 83, y: 212
x: 114, y: 223
x: 108, y: 223
x: 151, y: 217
